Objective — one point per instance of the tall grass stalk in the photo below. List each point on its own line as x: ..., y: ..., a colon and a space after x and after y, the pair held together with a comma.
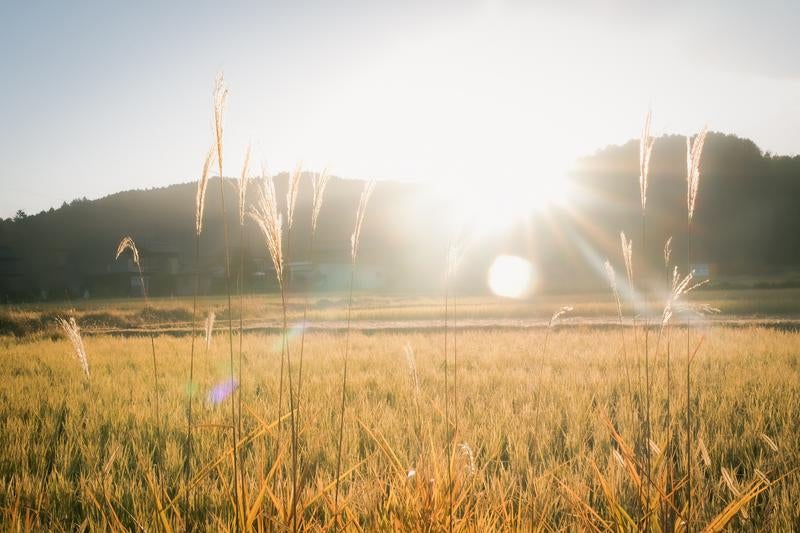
x: 355, y: 239
x: 450, y: 429
x: 646, y: 142
x: 447, y: 434
x: 669, y: 514
x: 453, y: 264
x: 265, y: 214
x: 243, y: 181
x: 292, y: 191
x: 127, y: 243
x: 318, y: 183
x: 220, y: 98
x: 694, y: 150
x: 612, y: 282
x: 200, y: 200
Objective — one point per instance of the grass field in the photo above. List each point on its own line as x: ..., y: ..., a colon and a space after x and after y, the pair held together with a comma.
x: 532, y: 432
x: 652, y: 417
x: 108, y: 315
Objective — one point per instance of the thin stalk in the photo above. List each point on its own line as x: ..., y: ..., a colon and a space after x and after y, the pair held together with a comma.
x: 670, y: 515
x: 688, y: 386
x: 241, y: 332
x: 292, y: 420
x: 447, y: 433
x: 624, y: 352
x: 291, y: 411
x: 152, y: 348
x: 646, y: 371
x: 187, y: 469
x: 303, y: 327
x: 344, y: 392
x: 455, y: 361
x: 230, y: 342
x: 539, y: 374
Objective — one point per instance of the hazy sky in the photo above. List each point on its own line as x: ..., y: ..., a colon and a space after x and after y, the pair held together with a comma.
x: 98, y: 97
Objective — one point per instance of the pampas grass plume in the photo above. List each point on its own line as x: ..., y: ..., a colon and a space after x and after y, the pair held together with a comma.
x: 73, y: 332
x: 369, y: 187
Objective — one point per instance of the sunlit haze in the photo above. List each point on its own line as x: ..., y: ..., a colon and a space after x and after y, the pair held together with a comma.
x: 100, y: 98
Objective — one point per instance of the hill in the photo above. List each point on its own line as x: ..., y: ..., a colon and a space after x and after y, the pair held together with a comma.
x: 746, y: 224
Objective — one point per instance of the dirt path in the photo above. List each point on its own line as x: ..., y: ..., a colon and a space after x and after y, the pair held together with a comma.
x: 782, y: 323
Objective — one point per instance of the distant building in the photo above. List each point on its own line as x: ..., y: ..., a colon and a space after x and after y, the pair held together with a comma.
x: 10, y: 273
x: 703, y: 271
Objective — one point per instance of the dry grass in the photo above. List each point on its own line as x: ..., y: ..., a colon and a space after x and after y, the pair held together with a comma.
x: 526, y: 473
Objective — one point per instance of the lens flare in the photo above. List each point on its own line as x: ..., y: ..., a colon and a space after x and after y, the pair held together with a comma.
x: 221, y: 391
x: 510, y: 276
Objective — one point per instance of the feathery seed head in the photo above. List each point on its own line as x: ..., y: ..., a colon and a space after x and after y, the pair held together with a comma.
x: 73, y: 332
x: 291, y: 194
x: 627, y: 255
x: 469, y: 459
x: 645, y: 150
x: 611, y: 275
x: 681, y: 287
x: 209, y: 327
x: 200, y: 199
x: 220, y: 97
x: 667, y: 251
x: 693, y: 152
x: 265, y: 214
x: 127, y: 244
x: 362, y: 207
x: 243, y: 179
x: 318, y: 185
x: 558, y: 314
x: 455, y: 251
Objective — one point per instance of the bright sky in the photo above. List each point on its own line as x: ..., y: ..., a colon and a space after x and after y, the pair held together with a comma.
x: 98, y: 97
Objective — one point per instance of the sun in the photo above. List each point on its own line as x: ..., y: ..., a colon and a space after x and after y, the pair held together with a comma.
x: 510, y: 276
x: 494, y: 204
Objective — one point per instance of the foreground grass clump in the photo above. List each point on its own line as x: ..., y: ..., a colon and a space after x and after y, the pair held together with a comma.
x: 89, y: 453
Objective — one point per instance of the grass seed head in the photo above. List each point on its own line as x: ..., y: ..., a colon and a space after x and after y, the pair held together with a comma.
x: 694, y: 149
x: 265, y: 214
x: 667, y: 251
x: 73, y: 333
x: 318, y: 185
x: 127, y: 244
x: 209, y: 327
x: 369, y: 187
x: 243, y: 180
x: 646, y: 142
x: 627, y: 255
x: 202, y: 185
x: 220, y: 98
x: 291, y: 194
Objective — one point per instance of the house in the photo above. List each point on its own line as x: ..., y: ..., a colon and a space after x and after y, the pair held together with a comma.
x: 11, y: 278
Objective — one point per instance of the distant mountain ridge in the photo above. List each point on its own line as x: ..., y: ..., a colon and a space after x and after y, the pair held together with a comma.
x: 747, y: 223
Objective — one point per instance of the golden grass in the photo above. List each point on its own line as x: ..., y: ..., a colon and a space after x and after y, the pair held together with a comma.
x: 524, y: 473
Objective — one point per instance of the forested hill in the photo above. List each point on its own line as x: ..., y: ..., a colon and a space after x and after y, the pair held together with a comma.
x: 747, y: 222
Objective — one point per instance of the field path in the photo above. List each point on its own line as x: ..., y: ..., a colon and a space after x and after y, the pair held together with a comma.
x: 178, y: 329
